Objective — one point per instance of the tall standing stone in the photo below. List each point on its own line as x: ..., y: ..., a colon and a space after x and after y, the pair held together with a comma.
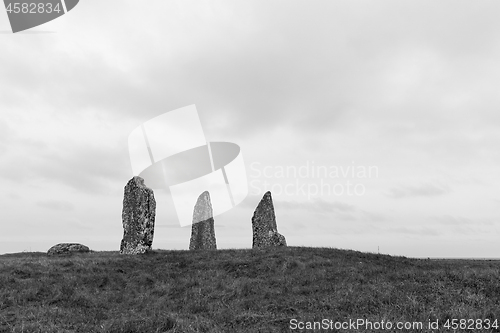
x: 265, y: 230
x: 138, y: 217
x: 202, y: 230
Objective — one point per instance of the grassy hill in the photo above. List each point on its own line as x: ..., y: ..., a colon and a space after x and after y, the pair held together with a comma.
x: 275, y: 290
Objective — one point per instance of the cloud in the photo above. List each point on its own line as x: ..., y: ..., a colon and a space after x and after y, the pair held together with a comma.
x: 173, y: 226
x: 376, y: 217
x: 59, y: 205
x: 337, y: 210
x: 423, y: 231
x: 450, y: 220
x: 78, y: 165
x: 13, y: 195
x: 423, y: 190
x: 177, y: 226
x: 255, y: 68
x: 318, y: 205
x: 287, y: 81
x: 88, y: 168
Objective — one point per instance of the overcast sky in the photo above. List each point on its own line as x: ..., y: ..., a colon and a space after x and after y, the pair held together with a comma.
x: 405, y: 89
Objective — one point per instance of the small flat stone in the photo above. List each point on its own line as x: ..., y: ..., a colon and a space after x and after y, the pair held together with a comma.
x: 67, y: 248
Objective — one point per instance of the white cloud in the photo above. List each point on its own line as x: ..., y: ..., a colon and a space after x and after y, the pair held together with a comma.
x: 59, y: 205
x: 289, y: 82
x: 422, y: 190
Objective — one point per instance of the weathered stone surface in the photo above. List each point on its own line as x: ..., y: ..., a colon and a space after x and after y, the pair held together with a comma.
x: 203, y: 232
x: 138, y: 217
x: 67, y: 248
x: 265, y: 230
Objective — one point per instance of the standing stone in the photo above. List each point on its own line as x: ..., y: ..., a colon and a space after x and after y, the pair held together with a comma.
x: 202, y: 230
x: 138, y: 217
x: 265, y: 230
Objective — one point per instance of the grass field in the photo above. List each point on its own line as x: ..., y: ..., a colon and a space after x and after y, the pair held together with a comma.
x: 275, y: 290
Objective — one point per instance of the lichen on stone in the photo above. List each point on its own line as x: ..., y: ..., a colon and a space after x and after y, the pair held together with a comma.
x: 202, y: 229
x: 264, y: 227
x: 138, y: 217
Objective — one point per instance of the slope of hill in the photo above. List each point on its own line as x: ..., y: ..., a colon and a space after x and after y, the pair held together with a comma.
x: 277, y: 290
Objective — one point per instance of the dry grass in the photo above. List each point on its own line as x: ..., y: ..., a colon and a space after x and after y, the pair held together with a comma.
x: 237, y: 290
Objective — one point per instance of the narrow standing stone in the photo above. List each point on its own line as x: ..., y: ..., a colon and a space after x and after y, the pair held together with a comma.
x: 138, y: 217
x: 265, y: 230
x: 202, y: 230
